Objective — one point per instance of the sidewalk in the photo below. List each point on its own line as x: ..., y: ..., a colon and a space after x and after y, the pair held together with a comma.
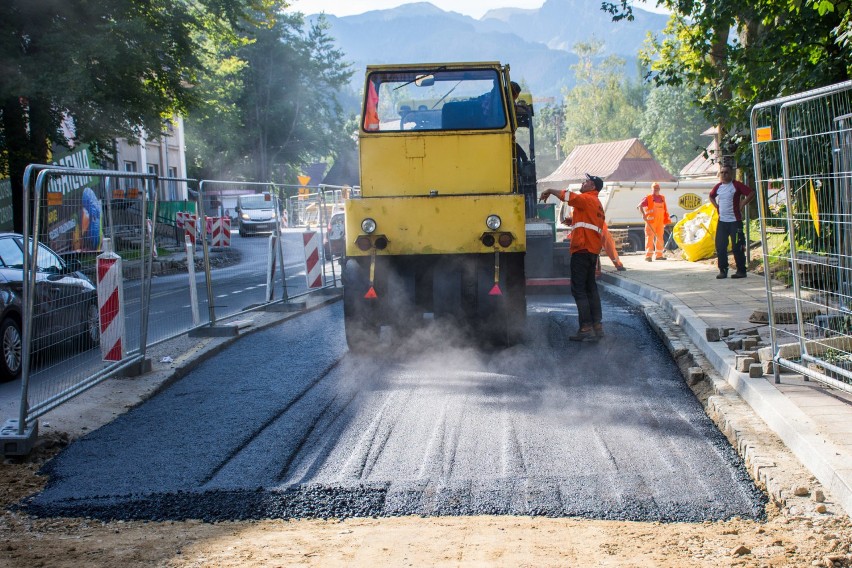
x: 813, y: 420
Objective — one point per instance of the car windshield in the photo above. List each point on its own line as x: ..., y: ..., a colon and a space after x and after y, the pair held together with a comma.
x: 469, y: 99
x: 256, y: 202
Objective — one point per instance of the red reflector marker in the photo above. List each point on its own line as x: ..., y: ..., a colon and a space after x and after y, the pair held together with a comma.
x: 371, y: 294
x: 495, y: 291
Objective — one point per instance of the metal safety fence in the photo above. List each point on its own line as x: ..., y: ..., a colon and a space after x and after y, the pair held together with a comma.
x: 802, y: 148
x: 111, y: 270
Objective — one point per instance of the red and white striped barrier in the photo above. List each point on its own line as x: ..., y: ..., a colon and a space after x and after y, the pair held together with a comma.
x: 208, y: 224
x: 180, y: 218
x: 285, y: 219
x: 189, y: 226
x: 313, y: 268
x: 221, y: 232
x: 111, y: 306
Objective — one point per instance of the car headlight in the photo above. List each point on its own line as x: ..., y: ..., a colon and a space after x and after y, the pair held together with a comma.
x: 245, y: 216
x: 493, y: 222
x: 368, y: 226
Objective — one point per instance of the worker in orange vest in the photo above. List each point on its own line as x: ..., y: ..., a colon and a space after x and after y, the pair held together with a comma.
x: 656, y: 216
x: 586, y: 244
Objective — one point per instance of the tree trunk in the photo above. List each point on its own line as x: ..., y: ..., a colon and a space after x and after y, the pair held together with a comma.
x: 25, y: 125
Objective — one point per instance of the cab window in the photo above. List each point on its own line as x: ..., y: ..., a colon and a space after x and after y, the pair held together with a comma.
x: 434, y: 100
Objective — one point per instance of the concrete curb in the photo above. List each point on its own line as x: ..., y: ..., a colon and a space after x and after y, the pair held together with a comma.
x: 784, y: 418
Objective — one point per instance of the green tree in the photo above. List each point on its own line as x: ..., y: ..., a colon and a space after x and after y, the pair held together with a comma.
x: 731, y: 54
x: 671, y: 127
x: 113, y: 68
x: 270, y: 103
x: 603, y: 106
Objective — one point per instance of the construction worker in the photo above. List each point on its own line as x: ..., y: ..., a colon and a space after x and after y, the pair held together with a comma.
x: 585, y: 250
x: 656, y: 215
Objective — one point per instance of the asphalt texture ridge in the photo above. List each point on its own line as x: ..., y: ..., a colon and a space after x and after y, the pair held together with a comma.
x: 287, y: 423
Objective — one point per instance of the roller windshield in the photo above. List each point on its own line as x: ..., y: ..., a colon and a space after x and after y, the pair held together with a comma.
x: 434, y: 100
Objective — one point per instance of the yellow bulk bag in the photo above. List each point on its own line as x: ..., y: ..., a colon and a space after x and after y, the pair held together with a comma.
x: 695, y: 234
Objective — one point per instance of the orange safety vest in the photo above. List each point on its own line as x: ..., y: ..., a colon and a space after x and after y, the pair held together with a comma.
x: 588, y: 221
x: 657, y: 211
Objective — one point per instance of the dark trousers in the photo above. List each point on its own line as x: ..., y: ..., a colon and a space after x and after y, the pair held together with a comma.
x: 584, y: 288
x: 730, y: 231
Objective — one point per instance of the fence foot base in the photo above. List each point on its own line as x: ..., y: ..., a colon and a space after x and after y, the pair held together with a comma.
x: 216, y: 331
x: 137, y: 369
x: 15, y: 444
x: 285, y: 307
x: 330, y: 291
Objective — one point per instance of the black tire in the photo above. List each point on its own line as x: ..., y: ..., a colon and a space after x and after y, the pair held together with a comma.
x: 11, y: 342
x: 91, y: 327
x: 359, y: 318
x: 635, y: 241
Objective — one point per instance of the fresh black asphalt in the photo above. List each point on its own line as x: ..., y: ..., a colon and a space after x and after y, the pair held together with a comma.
x: 287, y: 423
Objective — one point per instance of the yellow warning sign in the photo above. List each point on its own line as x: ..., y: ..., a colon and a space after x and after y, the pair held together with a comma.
x: 764, y: 133
x: 304, y: 180
x: 689, y: 201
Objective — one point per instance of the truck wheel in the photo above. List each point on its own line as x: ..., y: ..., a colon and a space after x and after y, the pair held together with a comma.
x: 636, y: 242
x: 359, y: 315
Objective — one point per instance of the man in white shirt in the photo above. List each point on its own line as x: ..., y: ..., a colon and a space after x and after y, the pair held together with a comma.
x: 730, y: 197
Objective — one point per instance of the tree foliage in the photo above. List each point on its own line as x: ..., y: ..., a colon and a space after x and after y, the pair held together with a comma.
x: 269, y: 102
x: 731, y: 54
x: 603, y: 106
x: 112, y: 68
x: 671, y: 127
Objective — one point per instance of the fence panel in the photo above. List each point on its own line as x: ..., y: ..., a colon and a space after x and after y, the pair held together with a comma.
x: 802, y: 148
x: 59, y: 343
x: 110, y: 270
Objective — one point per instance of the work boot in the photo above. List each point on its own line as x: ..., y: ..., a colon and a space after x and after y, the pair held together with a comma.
x: 660, y: 258
x: 620, y: 267
x: 739, y: 274
x: 585, y: 334
x: 648, y: 259
x: 598, y: 329
x: 722, y: 274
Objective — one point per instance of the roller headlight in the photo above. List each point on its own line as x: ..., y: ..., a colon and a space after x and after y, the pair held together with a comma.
x: 493, y: 222
x: 368, y: 226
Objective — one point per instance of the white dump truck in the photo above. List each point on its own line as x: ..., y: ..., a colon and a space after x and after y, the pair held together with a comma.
x: 621, y: 201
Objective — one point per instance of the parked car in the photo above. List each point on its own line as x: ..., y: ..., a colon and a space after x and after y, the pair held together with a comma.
x: 256, y: 213
x: 65, y: 304
x: 334, y: 240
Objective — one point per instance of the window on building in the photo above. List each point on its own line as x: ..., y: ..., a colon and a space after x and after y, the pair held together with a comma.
x: 172, y: 185
x: 154, y: 169
x: 126, y: 183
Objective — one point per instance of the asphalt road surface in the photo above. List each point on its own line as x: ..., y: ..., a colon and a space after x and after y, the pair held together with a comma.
x: 287, y: 423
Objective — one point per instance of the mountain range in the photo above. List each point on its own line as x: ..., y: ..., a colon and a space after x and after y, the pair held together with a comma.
x: 536, y: 43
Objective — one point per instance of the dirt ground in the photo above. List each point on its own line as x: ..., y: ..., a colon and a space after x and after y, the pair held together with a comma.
x: 784, y: 539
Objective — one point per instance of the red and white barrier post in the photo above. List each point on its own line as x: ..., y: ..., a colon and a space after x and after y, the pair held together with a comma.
x: 111, y: 304
x: 190, y: 269
x: 221, y: 232
x: 149, y: 224
x: 189, y: 227
x: 313, y: 267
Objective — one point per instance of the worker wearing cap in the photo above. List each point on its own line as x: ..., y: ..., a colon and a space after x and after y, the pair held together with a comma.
x: 586, y: 244
x: 656, y: 215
